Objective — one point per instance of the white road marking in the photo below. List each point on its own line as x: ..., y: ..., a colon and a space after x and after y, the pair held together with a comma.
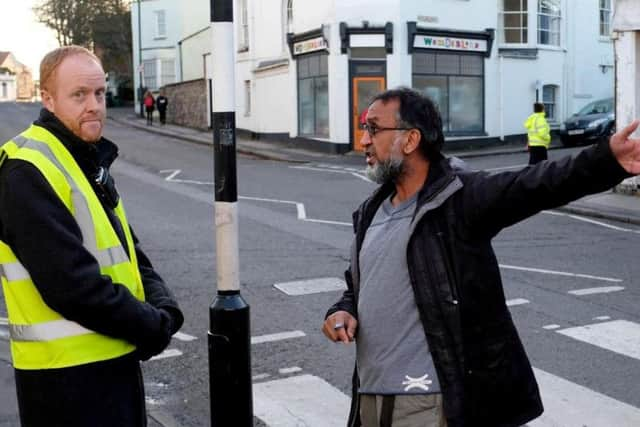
x: 291, y: 370
x: 184, y: 337
x: 592, y: 221
x: 171, y: 352
x: 260, y: 377
x: 619, y: 336
x: 559, y: 273
x: 571, y: 405
x: 551, y: 327
x: 335, y: 169
x: 277, y: 337
x: 602, y: 318
x: 302, y: 400
x: 4, y: 321
x: 517, y: 301
x: 312, y: 286
x: 600, y: 290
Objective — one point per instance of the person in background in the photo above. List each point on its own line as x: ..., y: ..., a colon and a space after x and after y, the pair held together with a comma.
x: 538, y: 134
x: 162, y: 102
x: 149, y: 107
x: 435, y: 343
x: 84, y: 303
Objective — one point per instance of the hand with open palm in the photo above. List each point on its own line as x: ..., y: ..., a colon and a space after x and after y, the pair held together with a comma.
x: 627, y: 149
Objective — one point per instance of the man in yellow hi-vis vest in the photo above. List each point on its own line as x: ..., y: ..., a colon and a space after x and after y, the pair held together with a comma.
x: 84, y: 303
x: 538, y: 134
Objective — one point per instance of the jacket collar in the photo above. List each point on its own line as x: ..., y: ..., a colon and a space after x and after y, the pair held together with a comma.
x: 442, y: 181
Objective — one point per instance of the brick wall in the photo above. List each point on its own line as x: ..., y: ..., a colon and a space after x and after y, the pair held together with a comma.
x: 187, y: 103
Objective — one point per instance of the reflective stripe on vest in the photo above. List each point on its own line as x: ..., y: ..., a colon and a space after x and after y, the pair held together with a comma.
x: 40, y: 337
x: 538, y: 135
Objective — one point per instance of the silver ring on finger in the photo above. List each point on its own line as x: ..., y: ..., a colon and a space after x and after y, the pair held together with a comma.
x: 338, y: 325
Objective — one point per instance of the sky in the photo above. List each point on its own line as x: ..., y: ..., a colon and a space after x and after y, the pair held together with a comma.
x: 22, y: 35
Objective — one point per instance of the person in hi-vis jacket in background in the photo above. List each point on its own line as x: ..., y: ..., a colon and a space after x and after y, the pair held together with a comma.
x: 538, y: 134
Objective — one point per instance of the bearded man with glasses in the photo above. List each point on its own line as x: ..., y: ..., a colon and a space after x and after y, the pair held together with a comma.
x: 435, y: 342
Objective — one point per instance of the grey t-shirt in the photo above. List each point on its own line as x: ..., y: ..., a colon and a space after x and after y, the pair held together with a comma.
x: 391, y: 348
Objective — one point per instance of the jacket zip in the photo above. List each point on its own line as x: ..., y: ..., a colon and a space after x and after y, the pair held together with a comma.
x: 447, y: 265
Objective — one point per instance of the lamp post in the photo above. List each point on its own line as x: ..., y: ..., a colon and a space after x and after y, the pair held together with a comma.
x: 229, y: 339
x: 140, y: 68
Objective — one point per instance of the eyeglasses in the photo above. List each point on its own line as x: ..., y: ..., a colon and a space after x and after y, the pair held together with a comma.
x: 372, y: 130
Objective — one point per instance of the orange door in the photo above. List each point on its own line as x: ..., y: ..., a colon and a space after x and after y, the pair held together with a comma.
x: 364, y: 89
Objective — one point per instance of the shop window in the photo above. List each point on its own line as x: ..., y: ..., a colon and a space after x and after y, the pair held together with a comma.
x: 514, y: 21
x: 313, y: 96
x: 605, y: 18
x: 549, y: 22
x: 455, y: 82
x: 549, y: 93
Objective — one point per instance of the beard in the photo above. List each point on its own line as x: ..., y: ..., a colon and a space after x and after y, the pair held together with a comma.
x: 389, y: 170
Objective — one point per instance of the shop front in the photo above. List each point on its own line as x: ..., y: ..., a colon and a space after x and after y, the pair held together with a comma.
x: 449, y: 67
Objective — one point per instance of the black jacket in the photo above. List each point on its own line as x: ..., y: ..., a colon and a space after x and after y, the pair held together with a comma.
x: 48, y: 242
x: 484, y: 373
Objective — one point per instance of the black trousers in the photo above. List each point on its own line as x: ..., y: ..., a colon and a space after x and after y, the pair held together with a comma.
x: 101, y: 394
x: 163, y: 115
x: 537, y: 154
x: 149, y: 115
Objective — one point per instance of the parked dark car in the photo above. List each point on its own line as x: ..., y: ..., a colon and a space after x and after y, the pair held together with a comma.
x: 591, y: 124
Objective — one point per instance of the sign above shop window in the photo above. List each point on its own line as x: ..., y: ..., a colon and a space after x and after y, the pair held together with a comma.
x: 310, y: 45
x: 449, y: 43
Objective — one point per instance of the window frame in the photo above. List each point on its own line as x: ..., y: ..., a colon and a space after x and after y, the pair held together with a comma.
x: 550, y: 29
x: 158, y: 33
x: 314, y: 79
x: 446, y: 125
x: 243, y: 26
x: 602, y: 11
x: 550, y: 107
x: 165, y: 78
x: 523, y: 12
x: 247, y: 98
x: 147, y: 66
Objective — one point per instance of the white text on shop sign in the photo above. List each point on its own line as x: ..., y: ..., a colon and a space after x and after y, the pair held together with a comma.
x: 310, y: 45
x: 450, y: 43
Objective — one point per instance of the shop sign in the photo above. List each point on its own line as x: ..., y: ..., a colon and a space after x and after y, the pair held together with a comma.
x: 449, y: 43
x: 311, y: 45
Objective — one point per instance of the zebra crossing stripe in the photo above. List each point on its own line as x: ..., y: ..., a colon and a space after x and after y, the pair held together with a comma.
x: 303, y: 400
x: 619, y: 336
x: 571, y: 405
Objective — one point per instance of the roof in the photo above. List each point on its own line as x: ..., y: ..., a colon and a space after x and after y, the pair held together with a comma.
x: 4, y: 56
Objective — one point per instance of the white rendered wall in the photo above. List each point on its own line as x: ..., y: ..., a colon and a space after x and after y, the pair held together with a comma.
x: 587, y: 52
x: 10, y: 81
x: 195, y: 34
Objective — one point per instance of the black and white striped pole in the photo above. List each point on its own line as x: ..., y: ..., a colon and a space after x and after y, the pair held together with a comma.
x: 229, y: 338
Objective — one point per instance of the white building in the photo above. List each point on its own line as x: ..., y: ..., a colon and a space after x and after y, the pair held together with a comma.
x: 156, y: 28
x: 7, y: 86
x: 306, y: 70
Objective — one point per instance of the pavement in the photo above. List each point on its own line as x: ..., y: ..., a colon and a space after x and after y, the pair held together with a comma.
x: 621, y: 204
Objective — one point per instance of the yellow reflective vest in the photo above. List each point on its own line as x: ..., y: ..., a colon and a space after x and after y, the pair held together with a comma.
x: 538, y: 132
x: 40, y: 337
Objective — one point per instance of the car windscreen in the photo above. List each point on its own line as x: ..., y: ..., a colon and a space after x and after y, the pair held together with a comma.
x: 597, y: 107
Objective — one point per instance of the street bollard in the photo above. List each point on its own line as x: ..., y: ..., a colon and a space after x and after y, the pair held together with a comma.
x: 231, y: 399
